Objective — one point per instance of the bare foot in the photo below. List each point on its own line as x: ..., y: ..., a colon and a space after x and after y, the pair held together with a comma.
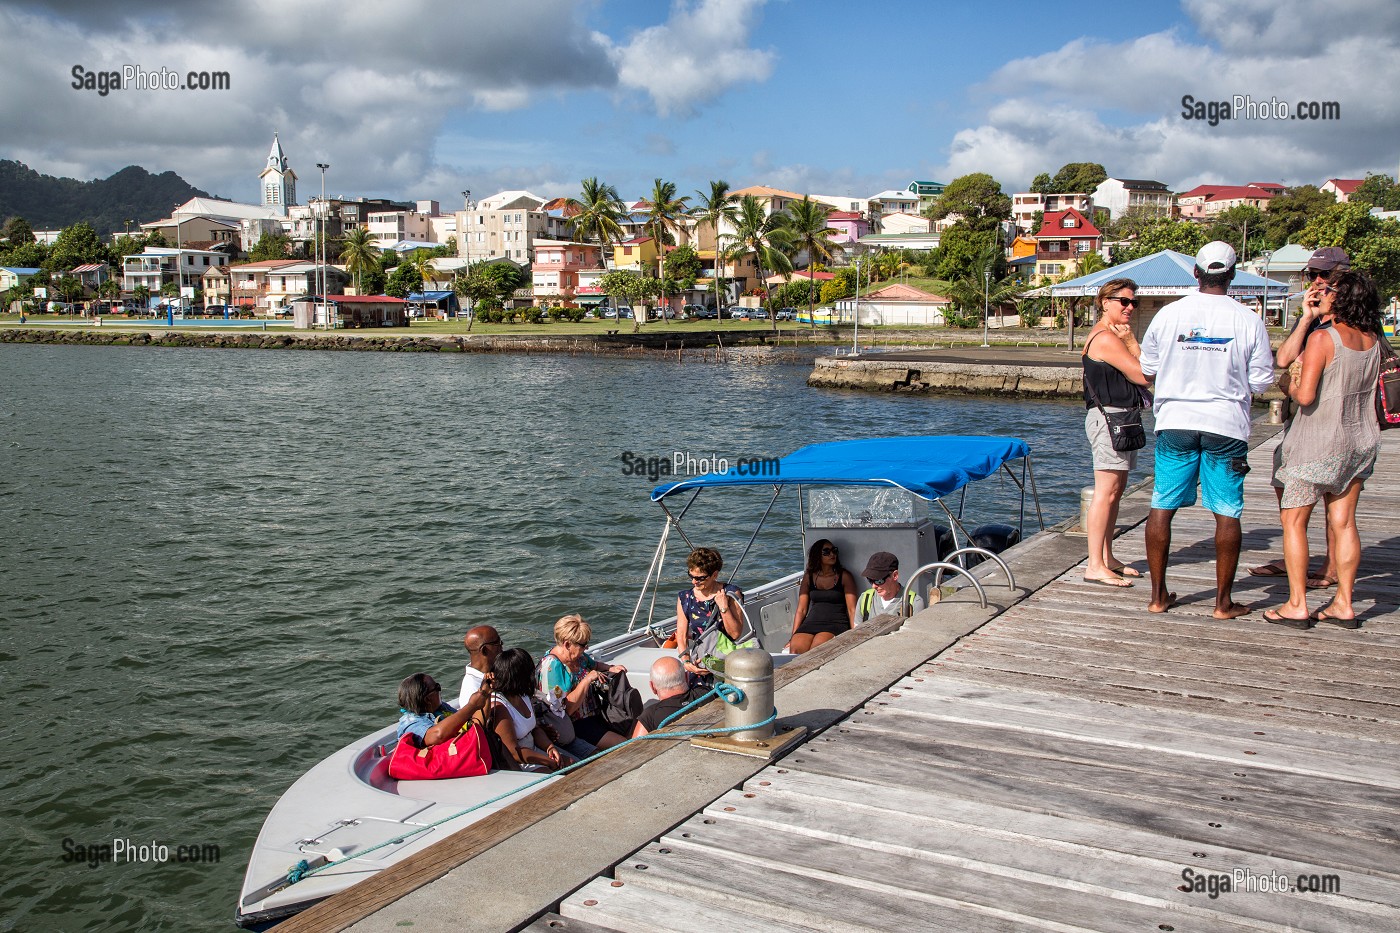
x: 1162, y: 606
x: 1116, y: 582
x: 1232, y: 611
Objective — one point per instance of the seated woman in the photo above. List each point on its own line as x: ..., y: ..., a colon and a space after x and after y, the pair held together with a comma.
x: 826, y: 601
x: 513, y: 715
x: 566, y: 675
x: 428, y: 717
x: 708, y: 611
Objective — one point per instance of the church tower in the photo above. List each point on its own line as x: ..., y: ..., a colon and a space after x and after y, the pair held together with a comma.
x: 279, y: 183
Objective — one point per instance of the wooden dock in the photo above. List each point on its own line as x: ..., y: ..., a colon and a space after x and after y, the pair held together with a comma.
x: 1078, y: 763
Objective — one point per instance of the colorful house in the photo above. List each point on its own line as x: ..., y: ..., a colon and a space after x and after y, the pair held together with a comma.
x: 1064, y: 238
x: 556, y: 268
x: 1342, y: 188
x: 1204, y: 201
x: 850, y: 226
x: 637, y: 254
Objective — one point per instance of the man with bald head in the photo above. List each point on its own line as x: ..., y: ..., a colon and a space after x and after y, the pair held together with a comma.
x: 483, y: 643
x: 670, y: 683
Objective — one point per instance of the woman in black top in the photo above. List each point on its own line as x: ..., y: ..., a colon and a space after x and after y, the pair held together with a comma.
x: 1112, y: 371
x: 826, y: 602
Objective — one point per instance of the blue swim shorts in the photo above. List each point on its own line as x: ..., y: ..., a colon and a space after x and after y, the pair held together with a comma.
x: 1183, y: 457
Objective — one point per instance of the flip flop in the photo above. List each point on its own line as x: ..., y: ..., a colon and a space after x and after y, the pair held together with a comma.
x: 1110, y: 583
x: 1320, y: 583
x: 1126, y: 571
x: 1268, y: 570
x: 1274, y: 616
x: 1322, y: 616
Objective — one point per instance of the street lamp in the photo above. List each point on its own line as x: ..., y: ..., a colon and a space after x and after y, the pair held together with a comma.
x: 321, y: 247
x: 1264, y: 301
x: 986, y: 302
x: 855, y: 335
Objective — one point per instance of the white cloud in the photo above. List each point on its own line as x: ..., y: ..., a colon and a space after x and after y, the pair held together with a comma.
x: 698, y: 54
x: 1119, y: 103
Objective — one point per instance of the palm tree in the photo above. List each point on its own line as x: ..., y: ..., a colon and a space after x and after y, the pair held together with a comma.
x: 360, y: 252
x: 764, y: 235
x: 810, y: 234
x: 142, y: 295
x: 598, y: 215
x: 716, y: 208
x: 664, y: 215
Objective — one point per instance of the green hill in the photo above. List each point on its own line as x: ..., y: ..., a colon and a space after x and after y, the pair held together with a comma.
x: 50, y: 203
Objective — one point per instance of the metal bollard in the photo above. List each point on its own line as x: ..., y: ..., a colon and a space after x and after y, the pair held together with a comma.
x: 1086, y: 499
x: 751, y: 670
x: 1277, y: 410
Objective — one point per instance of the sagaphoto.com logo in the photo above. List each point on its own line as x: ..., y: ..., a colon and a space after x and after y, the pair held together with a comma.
x: 134, y: 77
x: 1245, y: 107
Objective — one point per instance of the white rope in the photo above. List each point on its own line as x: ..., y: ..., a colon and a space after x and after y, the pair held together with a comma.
x: 656, y: 558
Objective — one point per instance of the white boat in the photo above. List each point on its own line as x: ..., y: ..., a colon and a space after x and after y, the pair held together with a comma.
x: 864, y: 496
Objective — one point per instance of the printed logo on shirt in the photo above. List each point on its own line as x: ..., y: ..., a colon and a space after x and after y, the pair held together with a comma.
x: 1197, y: 340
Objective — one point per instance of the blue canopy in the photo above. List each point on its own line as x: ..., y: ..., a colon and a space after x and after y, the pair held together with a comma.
x: 928, y: 467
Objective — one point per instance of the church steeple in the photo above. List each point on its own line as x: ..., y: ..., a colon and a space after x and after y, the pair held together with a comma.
x: 279, y: 182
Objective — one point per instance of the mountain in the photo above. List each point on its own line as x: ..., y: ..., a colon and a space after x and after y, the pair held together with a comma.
x: 50, y: 203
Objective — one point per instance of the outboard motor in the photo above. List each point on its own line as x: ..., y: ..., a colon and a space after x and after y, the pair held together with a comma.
x: 946, y: 544
x: 994, y: 537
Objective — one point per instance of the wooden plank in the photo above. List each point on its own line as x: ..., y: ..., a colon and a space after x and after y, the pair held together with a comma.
x: 556, y: 923
x: 813, y: 900
x: 1054, y: 882
x: 1018, y: 827
x: 639, y: 909
x: 1210, y: 821
x: 1165, y: 683
x: 1168, y: 704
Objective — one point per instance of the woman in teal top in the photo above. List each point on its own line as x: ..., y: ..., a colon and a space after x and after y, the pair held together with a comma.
x: 567, y: 673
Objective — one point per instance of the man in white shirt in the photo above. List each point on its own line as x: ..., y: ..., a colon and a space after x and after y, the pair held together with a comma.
x: 484, y: 644
x: 1207, y: 354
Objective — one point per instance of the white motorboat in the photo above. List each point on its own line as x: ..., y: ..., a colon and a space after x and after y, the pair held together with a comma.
x: 346, y: 819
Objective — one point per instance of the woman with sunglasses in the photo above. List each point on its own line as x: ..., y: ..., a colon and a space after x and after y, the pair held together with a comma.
x: 426, y: 715
x: 1112, y: 377
x: 826, y: 601
x: 1330, y: 448
x: 567, y: 673
x: 707, y: 608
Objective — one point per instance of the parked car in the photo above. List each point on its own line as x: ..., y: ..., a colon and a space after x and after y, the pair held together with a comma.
x: 625, y: 313
x: 699, y: 312
x: 786, y: 314
x: 757, y: 314
x: 610, y: 314
x: 666, y: 312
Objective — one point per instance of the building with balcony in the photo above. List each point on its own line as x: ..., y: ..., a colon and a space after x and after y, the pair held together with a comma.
x: 1120, y: 195
x: 1063, y: 240
x: 157, y: 266
x: 557, y: 266
x: 506, y: 226
x: 1024, y: 205
x: 268, y: 287
x: 926, y: 191
x: 1205, y: 201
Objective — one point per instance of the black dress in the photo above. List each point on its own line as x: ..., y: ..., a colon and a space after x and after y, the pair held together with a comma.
x: 826, y: 609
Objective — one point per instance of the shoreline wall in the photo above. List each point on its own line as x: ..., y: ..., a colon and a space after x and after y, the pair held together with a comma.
x: 928, y: 378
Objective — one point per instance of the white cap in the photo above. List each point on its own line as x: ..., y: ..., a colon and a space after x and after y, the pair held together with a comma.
x: 1216, y: 256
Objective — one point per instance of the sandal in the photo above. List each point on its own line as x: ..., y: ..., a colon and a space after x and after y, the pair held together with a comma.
x: 1271, y: 569
x: 1322, y: 616
x: 1278, y: 618
x: 1319, y: 582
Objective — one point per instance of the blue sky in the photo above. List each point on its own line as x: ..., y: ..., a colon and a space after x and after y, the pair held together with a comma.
x: 425, y: 99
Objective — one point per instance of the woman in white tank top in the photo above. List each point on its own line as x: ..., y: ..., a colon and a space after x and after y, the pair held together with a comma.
x: 513, y: 715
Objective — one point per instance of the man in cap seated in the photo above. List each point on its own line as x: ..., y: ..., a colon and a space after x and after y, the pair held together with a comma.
x: 883, y: 597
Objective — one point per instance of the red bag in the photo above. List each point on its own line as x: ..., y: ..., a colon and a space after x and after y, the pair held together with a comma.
x: 1388, y: 389
x: 466, y: 755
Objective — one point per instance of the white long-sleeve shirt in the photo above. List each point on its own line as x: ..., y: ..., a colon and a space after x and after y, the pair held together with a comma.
x: 1209, y: 354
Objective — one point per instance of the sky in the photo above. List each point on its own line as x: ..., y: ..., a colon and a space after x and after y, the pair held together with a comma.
x: 418, y: 99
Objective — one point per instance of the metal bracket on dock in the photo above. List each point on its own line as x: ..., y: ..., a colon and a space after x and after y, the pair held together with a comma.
x: 768, y: 748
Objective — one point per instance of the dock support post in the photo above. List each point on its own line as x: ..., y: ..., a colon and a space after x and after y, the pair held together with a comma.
x: 751, y: 670
x: 1276, y: 410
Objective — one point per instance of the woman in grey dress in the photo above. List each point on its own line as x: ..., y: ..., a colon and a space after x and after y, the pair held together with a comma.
x: 1330, y: 449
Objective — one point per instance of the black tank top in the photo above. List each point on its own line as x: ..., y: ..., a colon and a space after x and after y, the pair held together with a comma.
x: 827, y: 605
x: 1113, y: 388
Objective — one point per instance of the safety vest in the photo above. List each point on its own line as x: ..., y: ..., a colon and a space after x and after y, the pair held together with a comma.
x: 867, y: 599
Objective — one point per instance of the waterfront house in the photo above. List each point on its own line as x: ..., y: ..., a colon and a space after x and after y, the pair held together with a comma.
x: 507, y: 225
x: 12, y: 276
x: 1342, y: 188
x: 214, y: 284
x: 1141, y: 195
x: 441, y: 304
x: 157, y: 266
x: 270, y: 286
x: 1064, y: 238
x: 897, y: 304
x: 558, y: 263
x: 91, y: 275
x: 370, y: 311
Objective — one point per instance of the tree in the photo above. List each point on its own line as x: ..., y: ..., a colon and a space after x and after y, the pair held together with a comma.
x: 74, y: 246
x: 1378, y: 255
x: 716, y: 209
x: 1373, y: 244
x: 977, y: 199
x: 1180, y: 235
x: 809, y: 232
x: 156, y: 238
x: 1378, y: 191
x: 664, y: 215
x: 270, y: 246
x: 963, y: 252
x: 1233, y: 225
x: 1290, y: 212
x: 624, y: 284
x: 1042, y: 184
x: 69, y: 288
x: 766, y: 236
x: 1078, y: 178
x: 142, y: 295
x: 490, y: 283
x: 597, y: 216
x: 404, y: 281
x: 110, y: 289
x: 17, y: 231
x: 359, y: 252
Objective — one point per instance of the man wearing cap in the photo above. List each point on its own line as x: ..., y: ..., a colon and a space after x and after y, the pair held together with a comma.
x: 1207, y: 354
x: 483, y: 644
x: 882, y: 571
x: 1324, y: 263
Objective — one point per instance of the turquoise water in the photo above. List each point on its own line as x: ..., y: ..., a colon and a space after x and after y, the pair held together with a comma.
x: 216, y: 566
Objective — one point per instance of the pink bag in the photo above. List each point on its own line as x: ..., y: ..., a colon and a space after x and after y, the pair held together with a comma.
x: 1388, y: 389
x: 465, y: 755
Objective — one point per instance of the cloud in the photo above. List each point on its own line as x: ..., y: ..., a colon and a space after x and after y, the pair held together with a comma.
x: 1120, y: 103
x: 698, y: 54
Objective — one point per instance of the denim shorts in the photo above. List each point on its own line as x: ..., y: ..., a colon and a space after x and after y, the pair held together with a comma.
x: 1185, y: 457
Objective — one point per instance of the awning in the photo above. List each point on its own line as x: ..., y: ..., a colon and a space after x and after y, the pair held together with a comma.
x: 928, y: 467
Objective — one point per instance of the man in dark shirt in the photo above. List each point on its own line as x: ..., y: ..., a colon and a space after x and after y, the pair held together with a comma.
x: 670, y: 684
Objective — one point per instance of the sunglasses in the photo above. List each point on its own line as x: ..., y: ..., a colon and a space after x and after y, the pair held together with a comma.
x: 1125, y: 302
x: 881, y: 581
x: 698, y: 578
x: 434, y: 688
x: 1316, y: 273
x: 830, y: 550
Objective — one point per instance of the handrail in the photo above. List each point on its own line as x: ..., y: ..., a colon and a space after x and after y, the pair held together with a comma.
x: 941, y: 566
x: 1010, y: 579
